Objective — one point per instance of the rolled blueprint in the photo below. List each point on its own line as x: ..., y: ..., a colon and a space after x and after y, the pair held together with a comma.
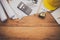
x: 2, y: 14
x: 8, y: 9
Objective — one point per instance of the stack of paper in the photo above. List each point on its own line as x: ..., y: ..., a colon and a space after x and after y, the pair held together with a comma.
x: 13, y: 11
x: 11, y: 14
x: 29, y: 3
x: 56, y: 15
x: 3, y: 16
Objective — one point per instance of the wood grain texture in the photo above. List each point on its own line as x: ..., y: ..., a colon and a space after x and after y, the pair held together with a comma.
x: 30, y: 33
x: 32, y: 21
x: 30, y: 28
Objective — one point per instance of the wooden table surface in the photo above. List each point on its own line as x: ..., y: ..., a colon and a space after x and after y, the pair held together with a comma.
x: 32, y: 21
x: 30, y: 28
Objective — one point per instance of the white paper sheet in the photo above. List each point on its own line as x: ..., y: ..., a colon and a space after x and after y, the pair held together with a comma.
x: 8, y: 9
x: 34, y: 7
x: 56, y: 15
x: 3, y: 16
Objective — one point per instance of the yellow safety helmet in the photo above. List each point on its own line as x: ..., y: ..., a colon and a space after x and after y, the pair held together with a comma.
x: 48, y: 6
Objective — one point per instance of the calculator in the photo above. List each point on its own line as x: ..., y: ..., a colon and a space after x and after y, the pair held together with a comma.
x: 23, y: 7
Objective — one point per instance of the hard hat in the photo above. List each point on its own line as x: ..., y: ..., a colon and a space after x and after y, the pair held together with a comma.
x: 48, y: 6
